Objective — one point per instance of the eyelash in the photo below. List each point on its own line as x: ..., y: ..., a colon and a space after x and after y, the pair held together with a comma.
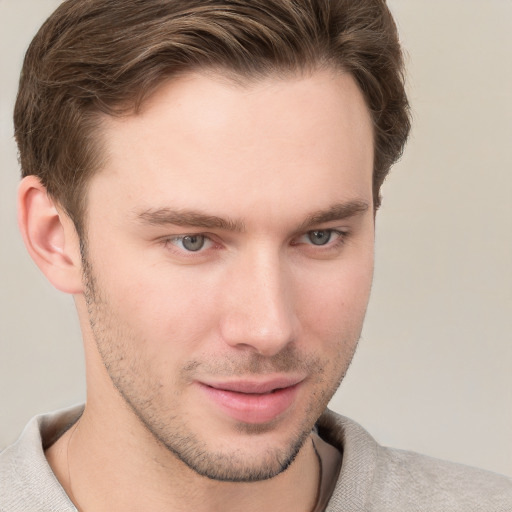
x: 171, y: 242
x: 179, y: 238
x: 341, y: 238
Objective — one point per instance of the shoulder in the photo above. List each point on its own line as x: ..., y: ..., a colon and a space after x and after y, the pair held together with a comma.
x: 26, y: 480
x: 376, y: 478
x: 406, y: 478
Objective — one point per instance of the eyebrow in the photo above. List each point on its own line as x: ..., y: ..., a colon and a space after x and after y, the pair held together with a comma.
x: 193, y: 218
x: 188, y: 218
x: 335, y: 212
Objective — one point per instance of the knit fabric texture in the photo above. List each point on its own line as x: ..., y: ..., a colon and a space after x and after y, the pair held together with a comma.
x: 372, y: 478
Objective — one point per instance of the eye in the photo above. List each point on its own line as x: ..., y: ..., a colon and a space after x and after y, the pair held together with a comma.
x: 321, y: 237
x: 328, y: 238
x: 190, y: 243
x: 193, y: 243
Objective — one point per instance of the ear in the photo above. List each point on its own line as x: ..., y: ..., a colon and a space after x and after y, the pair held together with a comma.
x: 50, y: 236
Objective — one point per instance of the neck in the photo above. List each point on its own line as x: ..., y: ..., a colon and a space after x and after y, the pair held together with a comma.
x: 129, y: 470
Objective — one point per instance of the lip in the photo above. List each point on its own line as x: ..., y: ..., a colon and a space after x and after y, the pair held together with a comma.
x: 253, y: 401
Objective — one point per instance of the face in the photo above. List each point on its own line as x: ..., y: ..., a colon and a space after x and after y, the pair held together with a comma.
x: 229, y: 263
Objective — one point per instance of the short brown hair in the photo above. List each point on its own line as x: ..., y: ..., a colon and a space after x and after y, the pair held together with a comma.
x: 94, y: 57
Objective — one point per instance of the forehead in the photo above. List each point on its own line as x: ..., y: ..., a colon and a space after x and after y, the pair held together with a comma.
x: 204, y: 141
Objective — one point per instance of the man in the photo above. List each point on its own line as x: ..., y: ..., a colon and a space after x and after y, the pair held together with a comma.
x: 203, y: 177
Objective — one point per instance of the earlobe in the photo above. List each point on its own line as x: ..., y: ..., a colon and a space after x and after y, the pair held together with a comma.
x: 49, y: 236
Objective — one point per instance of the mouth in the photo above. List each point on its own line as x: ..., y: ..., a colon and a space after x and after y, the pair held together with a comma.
x: 252, y: 401
x: 254, y: 387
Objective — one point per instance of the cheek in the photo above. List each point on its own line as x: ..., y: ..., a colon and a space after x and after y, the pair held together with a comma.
x: 155, y: 306
x: 333, y: 304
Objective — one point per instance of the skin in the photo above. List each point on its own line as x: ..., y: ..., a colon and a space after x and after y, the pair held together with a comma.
x: 260, y: 170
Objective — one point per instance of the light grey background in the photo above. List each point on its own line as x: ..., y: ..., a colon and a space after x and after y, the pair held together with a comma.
x: 433, y: 370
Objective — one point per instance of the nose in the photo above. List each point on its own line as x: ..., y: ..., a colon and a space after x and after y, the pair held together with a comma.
x: 258, y: 312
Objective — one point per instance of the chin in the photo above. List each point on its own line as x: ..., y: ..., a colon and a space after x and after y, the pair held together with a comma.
x: 241, y: 465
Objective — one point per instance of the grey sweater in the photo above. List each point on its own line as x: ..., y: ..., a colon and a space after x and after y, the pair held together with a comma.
x: 372, y: 478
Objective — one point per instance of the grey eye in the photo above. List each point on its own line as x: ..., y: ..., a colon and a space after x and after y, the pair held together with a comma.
x: 319, y: 237
x: 193, y: 242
